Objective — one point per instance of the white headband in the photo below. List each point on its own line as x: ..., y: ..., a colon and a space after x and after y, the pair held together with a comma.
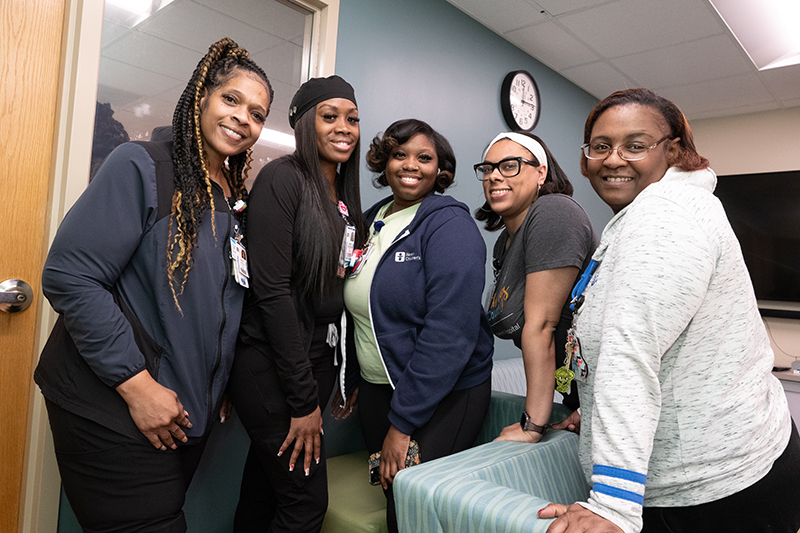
x: 523, y: 140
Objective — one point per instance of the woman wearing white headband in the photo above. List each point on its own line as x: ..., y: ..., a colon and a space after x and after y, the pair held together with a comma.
x: 546, y: 243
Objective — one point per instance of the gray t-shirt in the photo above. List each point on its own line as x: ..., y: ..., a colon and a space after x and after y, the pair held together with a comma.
x: 556, y: 233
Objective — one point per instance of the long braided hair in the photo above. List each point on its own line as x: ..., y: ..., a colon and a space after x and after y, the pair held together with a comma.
x: 193, y: 192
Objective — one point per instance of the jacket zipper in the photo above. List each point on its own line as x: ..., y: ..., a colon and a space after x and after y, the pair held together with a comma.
x: 405, y: 234
x: 218, y: 359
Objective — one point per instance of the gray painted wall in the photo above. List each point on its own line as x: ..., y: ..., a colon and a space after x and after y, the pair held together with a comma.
x: 425, y: 59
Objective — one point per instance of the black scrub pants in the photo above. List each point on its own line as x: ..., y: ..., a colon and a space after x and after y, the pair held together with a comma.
x: 118, y: 483
x: 273, y: 499
x: 453, y: 428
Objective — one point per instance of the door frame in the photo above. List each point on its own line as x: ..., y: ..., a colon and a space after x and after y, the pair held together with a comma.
x: 72, y: 142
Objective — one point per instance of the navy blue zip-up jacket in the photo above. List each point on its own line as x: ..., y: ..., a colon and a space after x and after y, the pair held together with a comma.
x: 106, y: 274
x: 427, y: 316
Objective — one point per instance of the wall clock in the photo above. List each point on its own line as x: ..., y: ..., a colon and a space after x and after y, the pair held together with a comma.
x: 519, y: 100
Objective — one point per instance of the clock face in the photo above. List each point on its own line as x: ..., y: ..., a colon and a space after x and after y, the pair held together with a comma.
x: 520, y: 101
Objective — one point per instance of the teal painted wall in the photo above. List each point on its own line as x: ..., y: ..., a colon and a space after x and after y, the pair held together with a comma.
x: 426, y: 59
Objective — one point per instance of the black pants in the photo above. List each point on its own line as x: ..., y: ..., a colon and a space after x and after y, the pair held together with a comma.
x: 118, y: 483
x: 772, y: 504
x: 453, y: 428
x: 272, y: 498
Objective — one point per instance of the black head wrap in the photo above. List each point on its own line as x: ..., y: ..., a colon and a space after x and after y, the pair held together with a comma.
x: 318, y: 90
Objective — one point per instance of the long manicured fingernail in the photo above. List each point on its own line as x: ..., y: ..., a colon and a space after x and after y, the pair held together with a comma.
x: 222, y: 420
x: 291, y: 467
x: 317, y: 460
x: 306, y: 472
x: 280, y: 453
x: 163, y: 448
x: 539, y: 513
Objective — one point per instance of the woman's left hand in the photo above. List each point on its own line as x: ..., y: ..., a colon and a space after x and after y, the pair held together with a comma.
x: 305, y: 433
x: 576, y: 519
x: 393, y: 455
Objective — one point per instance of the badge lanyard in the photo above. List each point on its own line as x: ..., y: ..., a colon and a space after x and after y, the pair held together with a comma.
x: 574, y: 363
x: 361, y: 256
x: 347, y: 251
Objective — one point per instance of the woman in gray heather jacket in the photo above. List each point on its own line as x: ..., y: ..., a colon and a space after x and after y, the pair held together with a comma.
x: 684, y: 426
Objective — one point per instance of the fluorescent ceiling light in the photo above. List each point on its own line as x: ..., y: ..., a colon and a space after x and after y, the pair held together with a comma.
x: 766, y: 29
x: 276, y: 137
x: 138, y: 7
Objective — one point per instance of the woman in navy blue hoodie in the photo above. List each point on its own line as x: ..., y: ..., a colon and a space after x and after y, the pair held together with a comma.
x: 424, y: 346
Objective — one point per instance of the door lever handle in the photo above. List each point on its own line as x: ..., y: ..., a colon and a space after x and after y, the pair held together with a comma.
x: 15, y: 296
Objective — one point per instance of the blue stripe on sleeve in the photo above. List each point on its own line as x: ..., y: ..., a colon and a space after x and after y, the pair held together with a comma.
x: 619, y: 493
x: 619, y: 473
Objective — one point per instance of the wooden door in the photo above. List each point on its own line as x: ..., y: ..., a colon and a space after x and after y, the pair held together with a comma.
x: 30, y: 57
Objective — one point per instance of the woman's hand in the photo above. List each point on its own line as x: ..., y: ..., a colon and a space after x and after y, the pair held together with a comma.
x: 576, y: 519
x: 339, y: 412
x: 393, y: 455
x: 304, y: 432
x: 515, y: 433
x: 226, y: 408
x: 155, y: 409
x: 571, y: 423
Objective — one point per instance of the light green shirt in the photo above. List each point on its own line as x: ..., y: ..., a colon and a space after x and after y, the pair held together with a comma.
x: 356, y: 291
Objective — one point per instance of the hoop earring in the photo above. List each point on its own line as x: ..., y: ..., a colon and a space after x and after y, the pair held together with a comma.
x: 485, y: 209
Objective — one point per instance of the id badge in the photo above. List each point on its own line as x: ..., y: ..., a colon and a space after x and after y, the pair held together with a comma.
x: 346, y: 252
x: 577, y: 362
x: 239, y: 264
x: 360, y: 259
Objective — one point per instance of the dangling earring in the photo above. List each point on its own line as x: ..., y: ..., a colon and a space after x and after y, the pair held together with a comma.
x: 485, y: 208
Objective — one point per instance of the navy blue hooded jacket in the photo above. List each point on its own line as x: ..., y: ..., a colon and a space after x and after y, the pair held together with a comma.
x: 426, y: 312
x: 106, y: 274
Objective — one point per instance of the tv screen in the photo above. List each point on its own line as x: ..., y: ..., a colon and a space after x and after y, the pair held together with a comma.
x: 764, y: 211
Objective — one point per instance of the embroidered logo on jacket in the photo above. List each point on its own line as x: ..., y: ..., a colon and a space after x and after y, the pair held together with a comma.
x: 402, y: 257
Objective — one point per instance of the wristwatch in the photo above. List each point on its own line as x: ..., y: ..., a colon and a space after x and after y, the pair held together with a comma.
x: 527, y: 425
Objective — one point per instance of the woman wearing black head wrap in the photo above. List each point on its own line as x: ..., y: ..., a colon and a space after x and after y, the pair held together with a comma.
x: 303, y: 208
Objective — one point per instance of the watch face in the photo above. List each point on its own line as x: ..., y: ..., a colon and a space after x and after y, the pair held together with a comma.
x: 520, y: 101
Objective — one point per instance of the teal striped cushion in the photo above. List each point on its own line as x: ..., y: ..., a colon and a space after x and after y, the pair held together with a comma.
x: 498, y: 486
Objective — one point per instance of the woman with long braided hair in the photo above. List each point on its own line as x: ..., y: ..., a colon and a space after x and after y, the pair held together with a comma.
x: 147, y: 273
x: 304, y: 219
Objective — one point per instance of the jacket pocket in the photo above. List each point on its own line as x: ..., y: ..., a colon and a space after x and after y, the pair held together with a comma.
x: 150, y: 349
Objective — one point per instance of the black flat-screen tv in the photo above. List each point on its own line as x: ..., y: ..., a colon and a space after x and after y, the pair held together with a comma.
x: 764, y: 211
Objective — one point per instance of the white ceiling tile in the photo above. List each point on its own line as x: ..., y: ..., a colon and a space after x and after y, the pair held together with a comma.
x: 501, y: 16
x: 551, y: 45
x: 598, y: 79
x: 151, y: 53
x: 284, y: 92
x: 281, y: 62
x: 717, y: 95
x: 783, y: 83
x: 559, y: 7
x: 278, y: 18
x: 792, y: 102
x: 111, y: 31
x: 117, y: 75
x: 620, y: 28
x: 180, y: 23
x: 711, y: 58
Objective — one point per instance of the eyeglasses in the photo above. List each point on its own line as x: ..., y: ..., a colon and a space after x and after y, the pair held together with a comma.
x: 508, y: 167
x: 632, y: 151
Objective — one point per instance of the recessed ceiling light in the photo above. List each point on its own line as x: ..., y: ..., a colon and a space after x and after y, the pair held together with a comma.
x: 766, y: 29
